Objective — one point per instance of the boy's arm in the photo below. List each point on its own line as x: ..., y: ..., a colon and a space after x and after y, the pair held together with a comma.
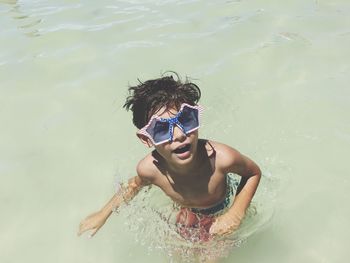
x: 124, y: 195
x: 239, y: 164
x: 96, y: 220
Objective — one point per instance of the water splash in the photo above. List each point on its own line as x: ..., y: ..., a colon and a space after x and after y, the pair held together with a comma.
x: 151, y: 217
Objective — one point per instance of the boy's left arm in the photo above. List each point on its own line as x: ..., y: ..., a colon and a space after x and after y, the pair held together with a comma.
x: 234, y: 162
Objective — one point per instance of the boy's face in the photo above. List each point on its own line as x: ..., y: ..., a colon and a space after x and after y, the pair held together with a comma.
x: 182, y: 148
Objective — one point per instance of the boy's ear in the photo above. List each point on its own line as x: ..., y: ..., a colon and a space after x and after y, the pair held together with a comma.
x: 145, y: 140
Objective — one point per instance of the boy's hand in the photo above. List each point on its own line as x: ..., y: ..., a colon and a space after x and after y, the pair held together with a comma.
x: 93, y: 222
x: 225, y: 224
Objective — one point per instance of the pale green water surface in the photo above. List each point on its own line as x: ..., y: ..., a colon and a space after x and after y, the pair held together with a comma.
x: 274, y: 77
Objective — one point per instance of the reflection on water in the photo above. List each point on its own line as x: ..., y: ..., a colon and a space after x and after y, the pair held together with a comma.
x: 274, y: 77
x: 13, y: 2
x: 26, y: 23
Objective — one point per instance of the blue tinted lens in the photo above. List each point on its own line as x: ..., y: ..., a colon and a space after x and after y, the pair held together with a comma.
x: 189, y: 118
x: 159, y: 130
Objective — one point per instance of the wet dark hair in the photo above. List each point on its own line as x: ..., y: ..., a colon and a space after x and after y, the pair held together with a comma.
x: 149, y: 96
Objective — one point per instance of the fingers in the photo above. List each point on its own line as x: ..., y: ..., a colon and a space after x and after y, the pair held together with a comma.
x: 217, y: 229
x: 83, y: 227
x: 222, y: 232
x: 94, y: 231
x: 86, y: 226
x: 214, y: 229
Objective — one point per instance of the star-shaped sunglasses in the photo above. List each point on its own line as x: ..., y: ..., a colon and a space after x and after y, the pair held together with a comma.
x: 160, y: 130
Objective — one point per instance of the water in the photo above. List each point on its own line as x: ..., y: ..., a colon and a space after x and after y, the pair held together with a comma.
x: 273, y: 76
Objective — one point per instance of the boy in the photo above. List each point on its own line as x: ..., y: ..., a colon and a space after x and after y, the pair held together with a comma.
x: 191, y: 171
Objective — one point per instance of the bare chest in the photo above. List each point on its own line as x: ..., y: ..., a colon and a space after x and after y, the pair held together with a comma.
x: 202, y: 190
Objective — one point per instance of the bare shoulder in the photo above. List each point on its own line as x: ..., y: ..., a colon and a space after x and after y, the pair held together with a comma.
x: 226, y: 155
x: 146, y: 169
x: 229, y: 159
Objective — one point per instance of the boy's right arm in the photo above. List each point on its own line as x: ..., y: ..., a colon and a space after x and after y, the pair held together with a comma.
x: 96, y: 220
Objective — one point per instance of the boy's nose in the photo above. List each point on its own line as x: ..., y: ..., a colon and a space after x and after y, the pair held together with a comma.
x: 178, y: 134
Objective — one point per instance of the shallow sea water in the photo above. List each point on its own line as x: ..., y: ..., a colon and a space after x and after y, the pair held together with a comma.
x: 273, y: 76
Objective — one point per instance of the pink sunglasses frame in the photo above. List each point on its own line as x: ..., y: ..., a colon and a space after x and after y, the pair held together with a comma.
x: 143, y: 131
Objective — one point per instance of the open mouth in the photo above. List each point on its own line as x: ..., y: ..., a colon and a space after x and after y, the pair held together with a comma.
x: 182, y: 149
